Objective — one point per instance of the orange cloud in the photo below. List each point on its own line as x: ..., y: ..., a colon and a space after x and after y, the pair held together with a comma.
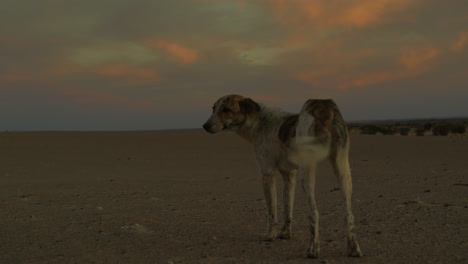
x: 356, y: 13
x: 413, y: 62
x: 330, y: 59
x: 461, y: 42
x: 370, y: 79
x: 370, y: 12
x: 127, y: 72
x: 183, y: 54
x: 418, y: 60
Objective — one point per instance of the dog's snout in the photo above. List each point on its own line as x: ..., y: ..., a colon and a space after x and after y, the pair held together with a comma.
x: 207, y: 127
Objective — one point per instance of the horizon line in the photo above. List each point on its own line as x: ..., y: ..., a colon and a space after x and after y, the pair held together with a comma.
x: 200, y: 128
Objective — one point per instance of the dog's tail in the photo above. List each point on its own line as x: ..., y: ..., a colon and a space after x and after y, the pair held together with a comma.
x: 313, y: 132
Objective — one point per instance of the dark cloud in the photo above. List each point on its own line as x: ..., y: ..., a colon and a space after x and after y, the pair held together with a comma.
x: 133, y: 62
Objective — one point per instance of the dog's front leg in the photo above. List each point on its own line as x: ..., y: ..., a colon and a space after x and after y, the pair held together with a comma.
x: 269, y: 188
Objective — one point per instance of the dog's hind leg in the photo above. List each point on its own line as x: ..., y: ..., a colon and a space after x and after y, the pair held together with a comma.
x: 289, y: 184
x: 269, y: 188
x: 342, y: 170
x: 307, y: 176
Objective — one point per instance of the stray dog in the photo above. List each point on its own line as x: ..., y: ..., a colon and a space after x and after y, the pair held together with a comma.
x: 291, y: 144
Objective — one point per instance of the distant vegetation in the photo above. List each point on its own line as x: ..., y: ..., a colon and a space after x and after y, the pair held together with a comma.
x: 417, y: 127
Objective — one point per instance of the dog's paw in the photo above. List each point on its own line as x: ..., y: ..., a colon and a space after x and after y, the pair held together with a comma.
x: 356, y: 253
x: 353, y: 249
x: 314, y: 250
x: 313, y: 253
x: 285, y: 234
x: 268, y: 237
x: 273, y: 233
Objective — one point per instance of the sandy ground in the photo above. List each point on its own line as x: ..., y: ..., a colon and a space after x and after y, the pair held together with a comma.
x: 192, y: 197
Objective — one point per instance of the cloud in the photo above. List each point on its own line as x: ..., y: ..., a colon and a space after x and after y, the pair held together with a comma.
x: 306, y: 24
x: 461, y: 42
x: 418, y: 60
x: 49, y: 73
x: 182, y: 54
x: 313, y: 76
x: 323, y: 13
x: 14, y: 78
x: 370, y: 79
x: 323, y: 64
x: 122, y: 53
x: 260, y: 56
x: 112, y: 52
x: 267, y: 98
x: 412, y: 62
x: 127, y: 72
x: 85, y: 96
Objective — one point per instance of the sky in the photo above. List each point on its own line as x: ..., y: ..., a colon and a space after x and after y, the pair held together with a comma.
x: 161, y: 64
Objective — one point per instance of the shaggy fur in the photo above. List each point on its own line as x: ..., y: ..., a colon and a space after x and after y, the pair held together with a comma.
x: 291, y: 144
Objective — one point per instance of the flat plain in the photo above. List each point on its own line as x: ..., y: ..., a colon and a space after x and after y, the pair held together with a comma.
x: 191, y: 197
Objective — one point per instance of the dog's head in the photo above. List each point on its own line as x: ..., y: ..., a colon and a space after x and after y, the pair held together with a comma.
x: 230, y: 112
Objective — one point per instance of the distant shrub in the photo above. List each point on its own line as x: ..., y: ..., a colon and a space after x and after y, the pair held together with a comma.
x: 428, y: 126
x: 369, y: 129
x: 404, y: 131
x: 458, y: 129
x: 387, y: 130
x: 440, y: 130
x: 420, y: 131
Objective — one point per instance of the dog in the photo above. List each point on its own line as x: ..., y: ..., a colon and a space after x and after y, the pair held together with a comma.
x: 291, y: 145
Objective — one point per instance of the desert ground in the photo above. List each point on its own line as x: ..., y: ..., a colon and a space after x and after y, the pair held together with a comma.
x: 191, y: 197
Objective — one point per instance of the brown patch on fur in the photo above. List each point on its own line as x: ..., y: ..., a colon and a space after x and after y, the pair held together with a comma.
x: 236, y: 109
x: 232, y: 102
x: 329, y: 123
x: 240, y: 104
x: 340, y: 133
x: 248, y: 106
x: 288, y: 128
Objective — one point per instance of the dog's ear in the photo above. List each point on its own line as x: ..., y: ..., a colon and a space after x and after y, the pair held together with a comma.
x: 248, y: 106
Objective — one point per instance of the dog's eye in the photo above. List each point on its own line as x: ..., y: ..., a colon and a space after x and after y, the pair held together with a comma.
x: 226, y: 110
